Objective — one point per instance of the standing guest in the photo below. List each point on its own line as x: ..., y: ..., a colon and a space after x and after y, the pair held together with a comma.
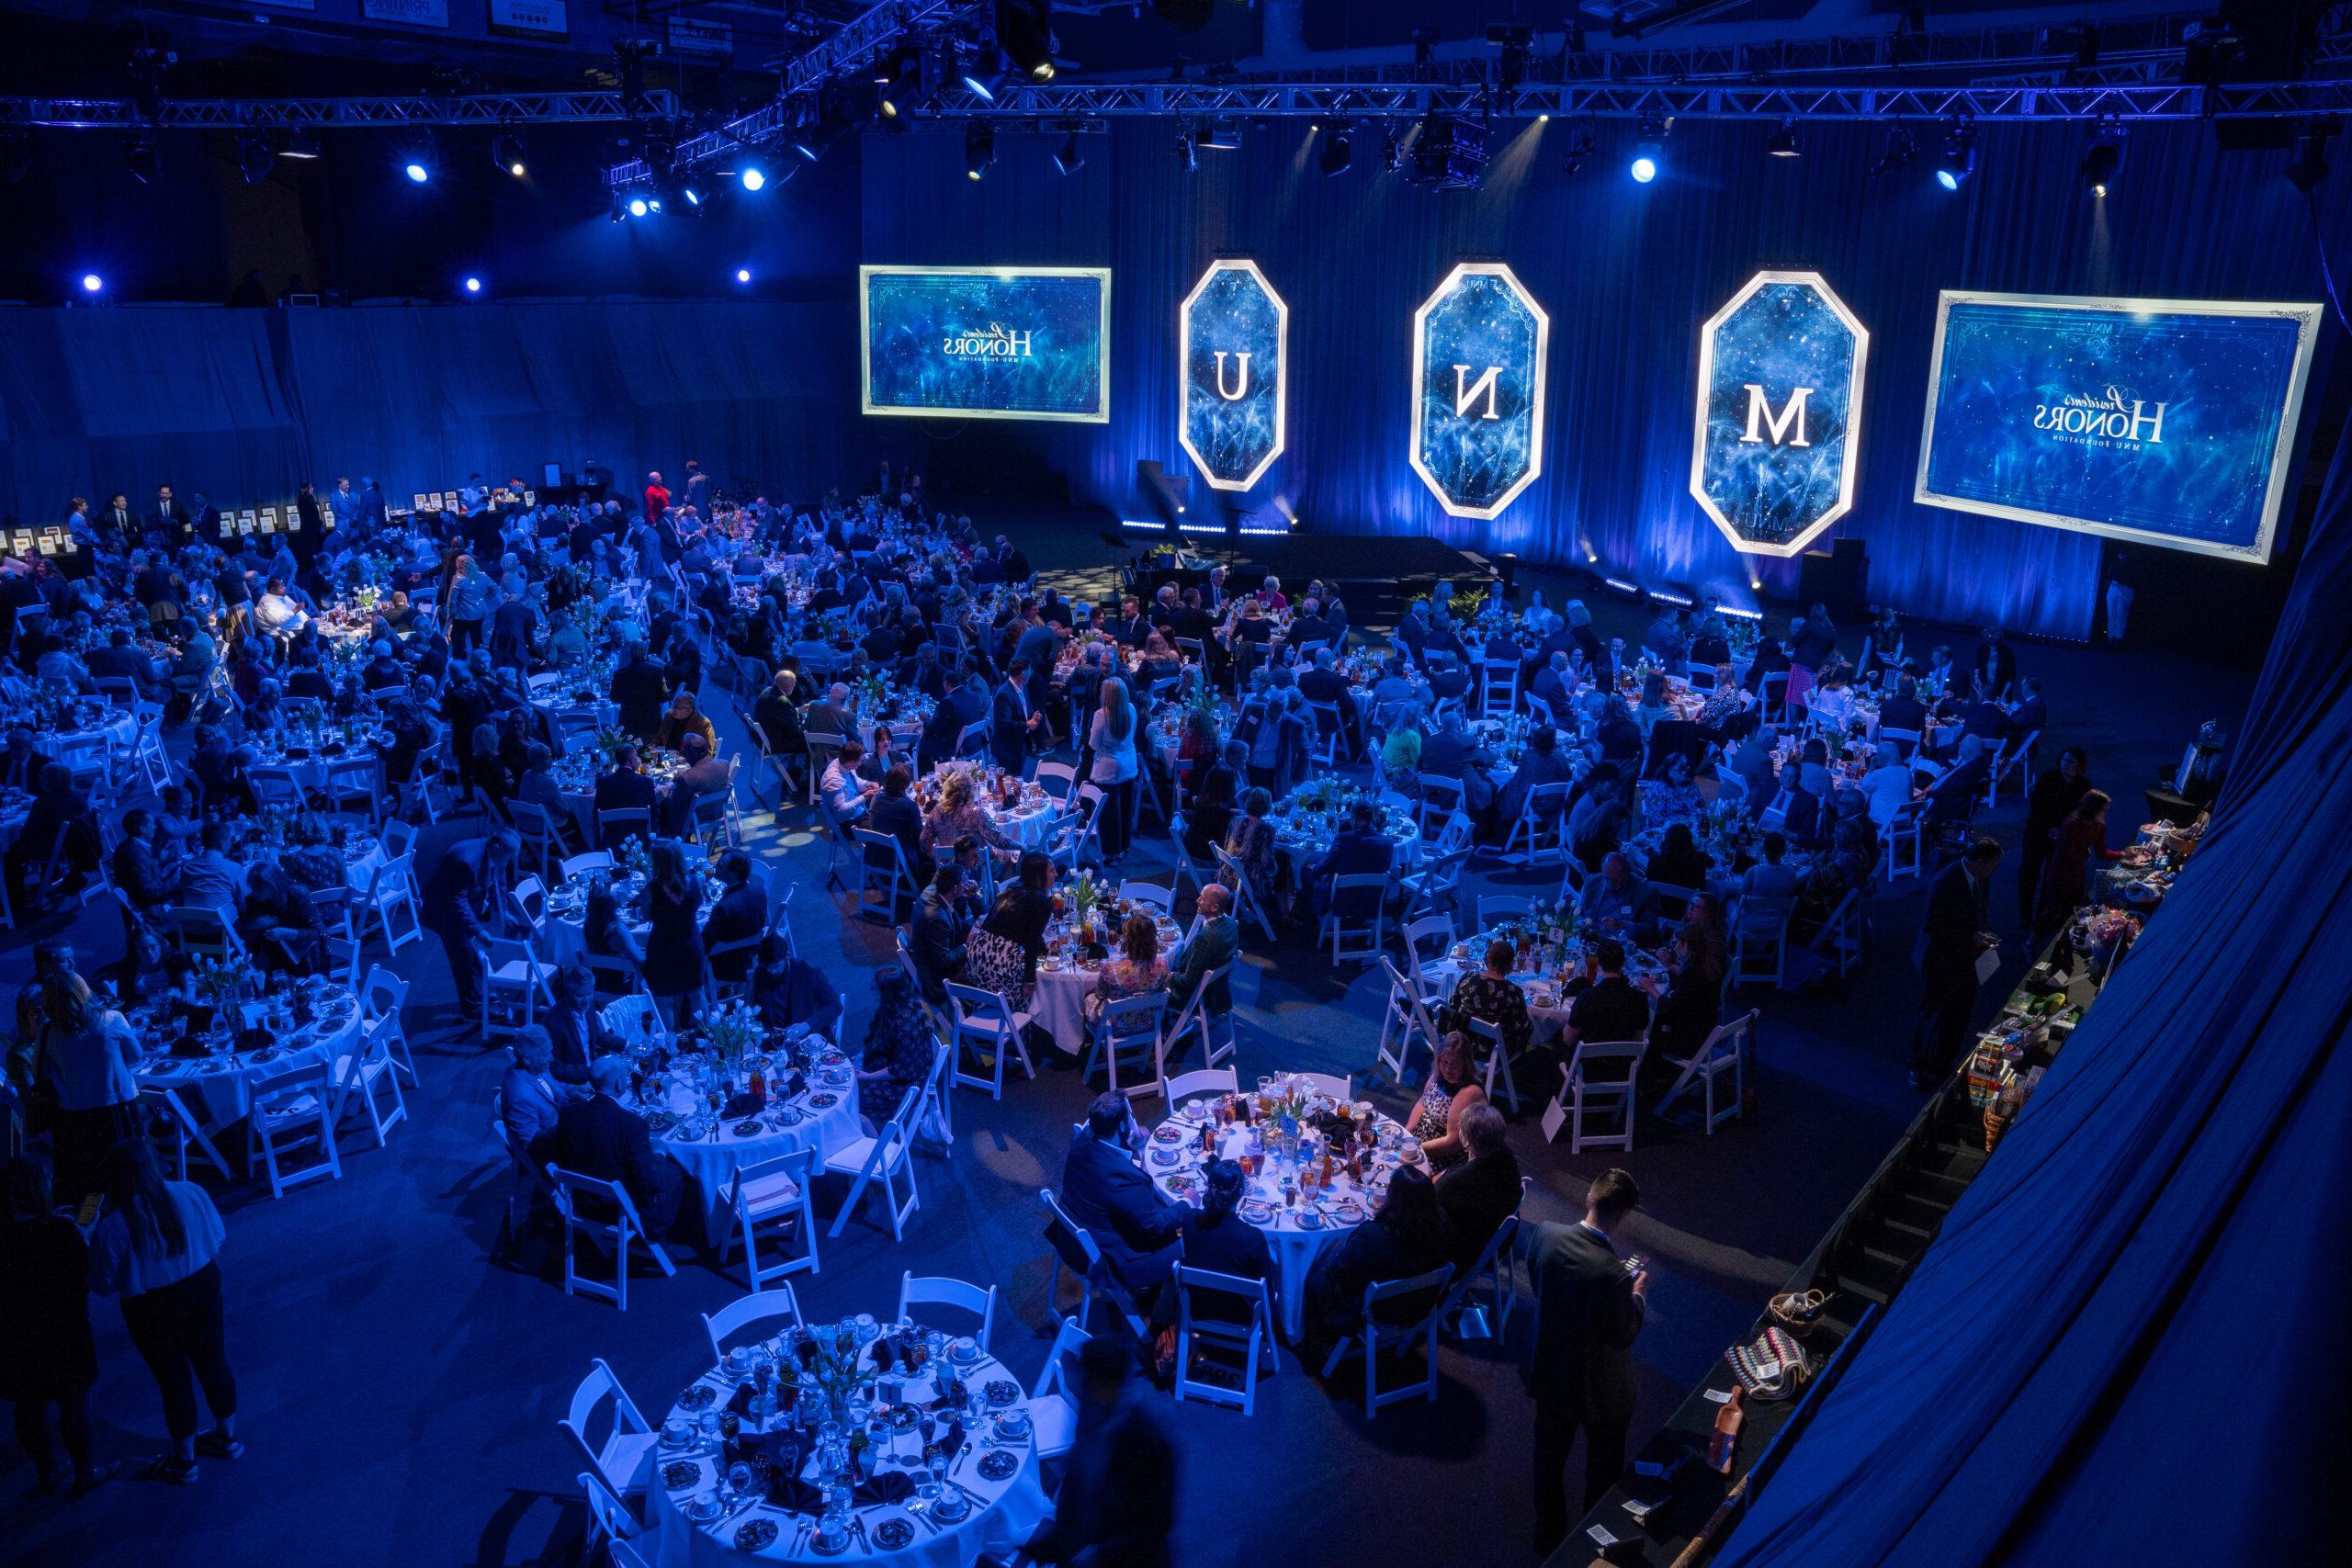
x: 1951, y: 940
x: 601, y: 1137
x: 1478, y: 1196
x: 657, y: 497
x: 741, y: 913
x: 2065, y: 881
x: 2051, y: 801
x: 466, y: 904
x: 1117, y: 1505
x: 1588, y: 1311
x: 1011, y: 719
x: 47, y: 1357
x: 1113, y: 741
x: 87, y: 1056
x: 1108, y: 1196
x: 675, y: 971
x: 1996, y: 666
x: 639, y: 687
x: 1405, y: 1239
x: 155, y: 1249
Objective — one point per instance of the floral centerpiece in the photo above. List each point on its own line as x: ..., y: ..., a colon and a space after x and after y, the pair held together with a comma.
x: 1085, y: 893
x: 734, y: 1030
x: 1726, y: 833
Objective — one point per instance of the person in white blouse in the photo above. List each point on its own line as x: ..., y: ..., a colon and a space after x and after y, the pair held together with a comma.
x: 1887, y: 785
x: 275, y: 611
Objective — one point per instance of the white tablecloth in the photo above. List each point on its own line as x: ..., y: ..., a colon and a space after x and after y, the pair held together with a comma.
x: 219, y: 1090
x: 1293, y: 1245
x: 711, y: 1163
x: 1006, y: 1513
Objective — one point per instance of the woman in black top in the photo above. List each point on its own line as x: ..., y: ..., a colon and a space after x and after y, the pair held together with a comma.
x: 1405, y: 1239
x: 1022, y: 912
x: 1679, y: 861
x: 47, y: 1356
x: 675, y: 971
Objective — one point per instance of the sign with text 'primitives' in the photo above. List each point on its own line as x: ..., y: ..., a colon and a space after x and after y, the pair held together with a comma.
x: 1234, y: 357
x: 1778, y: 418
x: 1479, y: 344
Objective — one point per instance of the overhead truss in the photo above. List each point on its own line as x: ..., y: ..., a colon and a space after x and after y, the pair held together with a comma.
x: 325, y: 114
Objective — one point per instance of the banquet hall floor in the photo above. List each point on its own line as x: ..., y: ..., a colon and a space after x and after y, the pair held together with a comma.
x: 399, y: 1391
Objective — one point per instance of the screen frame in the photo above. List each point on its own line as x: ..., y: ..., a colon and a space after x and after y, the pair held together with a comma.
x: 867, y: 272
x: 2290, y: 421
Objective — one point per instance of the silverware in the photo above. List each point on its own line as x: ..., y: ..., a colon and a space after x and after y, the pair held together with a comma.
x: 961, y: 1455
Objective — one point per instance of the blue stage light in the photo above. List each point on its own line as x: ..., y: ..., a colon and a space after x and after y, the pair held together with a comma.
x: 1644, y: 169
x: 637, y: 207
x: 417, y: 173
x: 92, y: 283
x: 473, y: 285
x: 753, y: 176
x: 742, y: 274
x: 1948, y: 179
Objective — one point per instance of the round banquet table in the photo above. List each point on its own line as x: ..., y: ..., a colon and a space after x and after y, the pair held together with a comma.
x: 1295, y: 1236
x: 563, y: 935
x: 218, y: 1091
x: 309, y: 763
x: 1005, y: 1511
x: 99, y: 731
x: 1543, y: 974
x: 1057, y: 1000
x: 822, y: 1117
x: 1305, y: 835
x: 1030, y: 824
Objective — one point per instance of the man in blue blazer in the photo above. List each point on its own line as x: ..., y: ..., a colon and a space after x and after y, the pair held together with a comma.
x: 1110, y: 1198
x: 601, y: 1137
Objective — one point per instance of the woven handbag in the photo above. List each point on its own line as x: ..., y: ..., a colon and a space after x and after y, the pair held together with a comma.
x: 1773, y: 1367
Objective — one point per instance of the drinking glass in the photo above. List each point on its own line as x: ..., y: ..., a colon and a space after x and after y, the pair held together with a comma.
x: 709, y: 1422
x: 739, y: 1479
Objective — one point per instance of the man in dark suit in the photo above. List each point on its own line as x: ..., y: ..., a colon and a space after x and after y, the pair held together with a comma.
x: 2030, y: 715
x: 1954, y: 933
x: 1012, y: 721
x: 1904, y: 710
x: 1015, y: 562
x: 120, y: 524
x: 1213, y: 946
x: 936, y: 939
x: 1477, y: 1196
x: 704, y: 776
x: 1996, y: 666
x: 577, y: 1033
x: 466, y: 904
x: 1588, y: 1311
x: 602, y: 1138
x: 1108, y: 1196
x: 1360, y: 848
x: 626, y: 788
x: 894, y: 812
x: 1117, y: 1504
x: 169, y: 518
x: 778, y: 720
x: 1040, y: 650
x: 640, y: 689
x: 22, y: 766
x: 1218, y: 1242
x: 832, y: 714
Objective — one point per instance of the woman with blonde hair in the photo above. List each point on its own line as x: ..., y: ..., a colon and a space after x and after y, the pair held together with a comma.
x: 958, y: 815
x: 1135, y: 970
x: 1113, y: 741
x: 1453, y: 1090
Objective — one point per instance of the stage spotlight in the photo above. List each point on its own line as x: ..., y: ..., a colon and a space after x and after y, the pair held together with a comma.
x: 1339, y: 151
x: 742, y: 274
x: 979, y: 148
x: 1024, y: 30
x: 692, y: 195
x: 417, y: 162
x: 982, y: 70
x: 302, y: 146
x: 1581, y: 147
x: 507, y: 151
x: 1070, y: 157
x: 1649, y: 149
x: 620, y: 207
x: 473, y: 285
x: 638, y: 207
x: 93, y: 283
x: 2310, y: 164
x: 139, y: 158
x: 2104, y: 160
x: 1783, y: 142
x: 898, y: 78
x: 1901, y: 148
x: 753, y: 176
x: 1644, y: 169
x: 1186, y: 153
x: 255, y: 159
x: 1959, y: 161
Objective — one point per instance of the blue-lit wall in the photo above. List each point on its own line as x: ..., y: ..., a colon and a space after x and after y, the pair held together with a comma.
x: 1628, y: 275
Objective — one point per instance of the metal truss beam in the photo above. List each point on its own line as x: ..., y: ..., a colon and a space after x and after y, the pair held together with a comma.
x: 327, y: 114
x: 855, y: 42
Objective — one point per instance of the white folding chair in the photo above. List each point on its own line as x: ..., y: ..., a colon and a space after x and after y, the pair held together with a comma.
x: 1500, y: 1085
x: 1150, y: 896
x: 883, y: 870
x: 1215, y: 1029
x: 1128, y: 1029
x: 581, y: 1201
x: 391, y: 892
x: 758, y: 1309
x: 1374, y: 1337
x: 778, y: 1193
x: 881, y: 1161
x: 610, y: 1523
x: 289, y: 1111
x: 986, y: 1024
x: 1722, y: 1053
x: 1760, y: 940
x: 513, y: 983
x: 1355, y: 919
x: 1406, y: 1020
x: 1495, y: 908
x: 1053, y: 1411
x: 618, y: 1456
x: 581, y: 864
x: 365, y: 1072
x: 1599, y: 1078
x: 1247, y: 906
x: 1251, y: 1332
x: 937, y: 1290
x: 1075, y: 1250
x: 174, y: 1130
x: 1201, y: 1081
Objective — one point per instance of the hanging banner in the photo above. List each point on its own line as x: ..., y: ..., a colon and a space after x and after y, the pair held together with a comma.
x: 1778, y: 427
x: 529, y: 18
x: 987, y: 343
x: 1479, y: 344
x: 2167, y: 422
x: 1233, y: 333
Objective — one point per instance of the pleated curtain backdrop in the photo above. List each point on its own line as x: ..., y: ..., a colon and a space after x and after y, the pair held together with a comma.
x: 2127, y: 1342
x: 1627, y: 273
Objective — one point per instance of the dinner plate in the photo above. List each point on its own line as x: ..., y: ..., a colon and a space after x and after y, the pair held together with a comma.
x: 998, y: 1466
x: 1169, y: 1135
x: 170, y: 1067
x: 892, y: 1535
x: 1179, y: 1183
x: 1257, y: 1213
x: 750, y: 1128
x: 824, y: 1102
x: 753, y: 1535
x: 698, y: 1396
x: 680, y: 1473
x: 1002, y: 1392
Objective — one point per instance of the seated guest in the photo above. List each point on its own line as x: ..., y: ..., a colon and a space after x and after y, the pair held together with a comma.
x: 1611, y: 1009
x: 1453, y: 1090
x: 900, y: 1047
x: 58, y: 829
x: 1886, y: 788
x: 121, y: 662
x: 277, y: 613
x: 576, y: 1031
x: 778, y: 719
x: 1598, y: 821
x: 138, y: 867
x: 600, y: 1137
x: 788, y: 990
x: 1904, y: 710
x: 1767, y: 878
x: 22, y: 767
x: 1218, y: 1242
x: 1406, y: 1238
x: 1725, y: 713
x: 685, y: 719
x: 1208, y: 816
x: 957, y: 816
x: 209, y: 879
x: 1489, y: 996
x: 1360, y: 848
x: 1686, y: 1015
x: 1136, y: 969
x: 831, y: 714
x: 1543, y: 764
x: 1216, y: 940
x: 1023, y: 911
x: 1756, y: 768
x: 846, y: 794
x: 705, y: 777
x: 741, y: 913
x: 529, y: 1097
x: 894, y: 813
x: 1679, y: 861
x: 1108, y: 1196
x: 1616, y: 899
x: 626, y: 788
x: 936, y: 937
x: 1672, y: 797
x: 1477, y: 1196
x: 537, y: 786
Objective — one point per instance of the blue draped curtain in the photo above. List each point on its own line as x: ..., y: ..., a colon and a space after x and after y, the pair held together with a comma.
x: 2126, y: 1344
x: 246, y: 404
x: 1627, y: 273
